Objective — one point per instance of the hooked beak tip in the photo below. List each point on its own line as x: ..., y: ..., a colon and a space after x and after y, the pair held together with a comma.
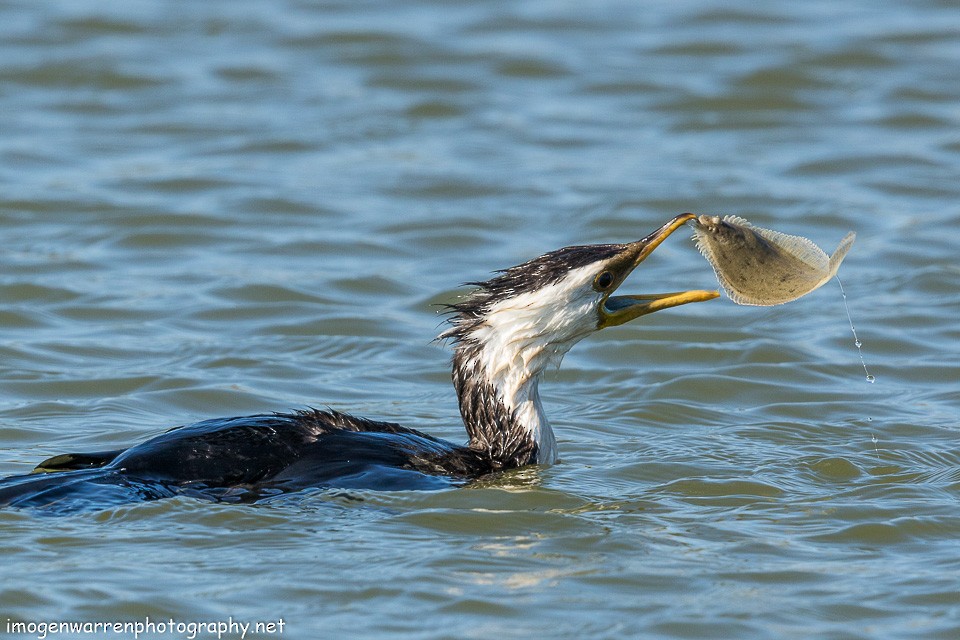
x: 617, y: 310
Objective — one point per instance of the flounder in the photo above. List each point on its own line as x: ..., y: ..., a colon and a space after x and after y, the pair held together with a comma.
x: 762, y: 267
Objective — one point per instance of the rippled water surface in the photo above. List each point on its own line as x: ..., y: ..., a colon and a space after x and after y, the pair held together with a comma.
x: 221, y: 208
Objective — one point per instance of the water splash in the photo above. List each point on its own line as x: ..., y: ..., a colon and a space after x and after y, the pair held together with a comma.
x: 870, y: 377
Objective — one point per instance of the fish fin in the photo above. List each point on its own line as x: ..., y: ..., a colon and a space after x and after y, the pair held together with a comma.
x: 745, y: 300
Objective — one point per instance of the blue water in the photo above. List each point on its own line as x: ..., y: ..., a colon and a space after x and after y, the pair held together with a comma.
x: 221, y: 208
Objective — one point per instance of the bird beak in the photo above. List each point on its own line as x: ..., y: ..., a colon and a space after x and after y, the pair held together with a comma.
x: 617, y: 310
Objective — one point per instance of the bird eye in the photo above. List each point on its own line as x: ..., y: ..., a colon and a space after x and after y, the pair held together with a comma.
x: 604, y: 280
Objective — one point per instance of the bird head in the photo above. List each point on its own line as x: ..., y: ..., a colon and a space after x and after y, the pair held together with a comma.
x: 545, y: 305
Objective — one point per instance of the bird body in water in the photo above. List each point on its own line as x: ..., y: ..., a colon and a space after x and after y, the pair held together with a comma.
x: 504, y: 334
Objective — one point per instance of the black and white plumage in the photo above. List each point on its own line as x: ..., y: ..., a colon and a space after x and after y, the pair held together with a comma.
x: 504, y: 335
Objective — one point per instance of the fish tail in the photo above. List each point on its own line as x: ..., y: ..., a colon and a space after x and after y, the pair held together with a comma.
x: 841, y: 252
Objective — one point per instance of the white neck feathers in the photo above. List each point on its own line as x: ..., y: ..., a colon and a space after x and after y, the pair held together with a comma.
x: 500, y: 358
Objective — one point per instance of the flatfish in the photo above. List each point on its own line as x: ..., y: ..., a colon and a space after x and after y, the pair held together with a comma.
x: 762, y: 267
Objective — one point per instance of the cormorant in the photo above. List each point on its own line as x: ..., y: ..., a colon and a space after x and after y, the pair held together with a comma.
x: 504, y: 334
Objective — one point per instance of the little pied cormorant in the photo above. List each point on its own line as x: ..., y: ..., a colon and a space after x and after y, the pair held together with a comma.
x: 505, y: 334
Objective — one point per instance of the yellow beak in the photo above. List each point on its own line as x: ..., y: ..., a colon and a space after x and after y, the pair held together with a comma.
x: 617, y: 310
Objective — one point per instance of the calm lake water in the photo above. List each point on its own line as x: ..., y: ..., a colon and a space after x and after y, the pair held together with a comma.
x: 224, y: 207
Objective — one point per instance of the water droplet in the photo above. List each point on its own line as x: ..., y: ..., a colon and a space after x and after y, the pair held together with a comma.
x: 853, y: 329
